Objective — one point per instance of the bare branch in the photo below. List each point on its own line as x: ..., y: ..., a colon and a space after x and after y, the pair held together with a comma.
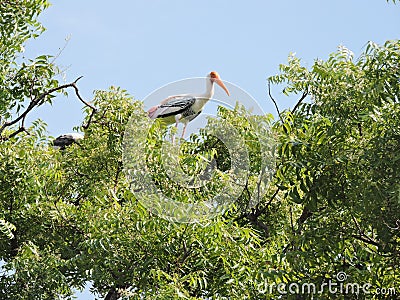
x: 118, y: 172
x: 79, y: 96
x: 39, y: 101
x: 299, y: 102
x: 19, y: 130
x: 61, y: 50
x: 94, y: 109
x: 86, y: 126
x: 273, y: 100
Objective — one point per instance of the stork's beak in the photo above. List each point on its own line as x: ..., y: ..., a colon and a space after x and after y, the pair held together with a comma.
x: 222, y: 85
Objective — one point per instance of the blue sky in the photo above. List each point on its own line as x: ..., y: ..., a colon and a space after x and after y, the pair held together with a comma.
x: 142, y: 45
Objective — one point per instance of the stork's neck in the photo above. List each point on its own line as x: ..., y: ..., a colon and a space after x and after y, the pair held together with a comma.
x: 209, y: 93
x: 202, y: 99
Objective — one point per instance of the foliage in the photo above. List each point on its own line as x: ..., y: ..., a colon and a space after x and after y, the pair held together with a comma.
x: 339, y: 160
x: 23, y: 82
x: 70, y: 217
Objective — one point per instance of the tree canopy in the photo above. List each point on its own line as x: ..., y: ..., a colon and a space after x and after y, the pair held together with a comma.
x: 330, y: 212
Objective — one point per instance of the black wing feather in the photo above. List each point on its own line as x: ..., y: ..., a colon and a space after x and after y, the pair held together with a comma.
x: 176, y: 106
x: 65, y: 140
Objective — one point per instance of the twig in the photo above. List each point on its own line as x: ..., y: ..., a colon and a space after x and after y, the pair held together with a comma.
x: 303, y: 218
x: 271, y: 199
x: 252, y: 216
x: 86, y: 126
x: 360, y: 129
x: 366, y: 240
x: 273, y: 100
x: 299, y: 102
x: 61, y: 50
x: 73, y: 84
x: 291, y: 220
x: 362, y: 236
x: 119, y: 170
x: 94, y: 109
x: 300, y: 221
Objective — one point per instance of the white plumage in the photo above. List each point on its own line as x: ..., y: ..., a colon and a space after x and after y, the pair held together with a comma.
x: 186, y: 107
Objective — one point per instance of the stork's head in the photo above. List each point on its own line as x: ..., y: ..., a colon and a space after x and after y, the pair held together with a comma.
x: 214, y: 77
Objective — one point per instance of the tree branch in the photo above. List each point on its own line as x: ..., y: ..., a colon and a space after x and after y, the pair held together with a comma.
x: 299, y: 102
x: 118, y: 172
x: 366, y: 240
x: 362, y: 236
x: 86, y: 126
x: 253, y: 216
x: 273, y: 100
x: 306, y: 214
x: 73, y: 84
x: 19, y: 130
x: 39, y: 101
x: 112, y: 294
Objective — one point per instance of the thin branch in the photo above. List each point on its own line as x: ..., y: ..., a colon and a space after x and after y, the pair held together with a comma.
x: 86, y: 126
x: 360, y: 129
x: 362, y: 236
x: 291, y: 220
x: 252, y: 216
x: 299, y: 102
x: 37, y: 102
x: 79, y: 96
x: 18, y: 131
x: 119, y: 170
x: 32, y: 104
x: 306, y: 214
x: 61, y: 50
x: 273, y: 100
x: 271, y: 199
x: 365, y: 240
x: 393, y: 228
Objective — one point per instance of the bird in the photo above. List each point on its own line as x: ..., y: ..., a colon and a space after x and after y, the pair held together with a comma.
x: 186, y: 107
x: 67, y: 139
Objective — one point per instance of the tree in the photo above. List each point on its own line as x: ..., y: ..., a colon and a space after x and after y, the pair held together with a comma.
x: 73, y: 216
x: 338, y: 161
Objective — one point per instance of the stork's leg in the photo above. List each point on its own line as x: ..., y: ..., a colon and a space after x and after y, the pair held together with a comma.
x: 184, y: 130
x: 177, y: 118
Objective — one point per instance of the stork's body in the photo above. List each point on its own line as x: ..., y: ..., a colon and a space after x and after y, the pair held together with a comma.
x: 184, y: 108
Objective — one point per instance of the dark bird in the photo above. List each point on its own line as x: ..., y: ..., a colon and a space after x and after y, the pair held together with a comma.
x: 67, y: 139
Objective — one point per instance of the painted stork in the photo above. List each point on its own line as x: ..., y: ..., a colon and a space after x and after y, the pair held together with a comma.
x: 186, y: 107
x: 67, y: 139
